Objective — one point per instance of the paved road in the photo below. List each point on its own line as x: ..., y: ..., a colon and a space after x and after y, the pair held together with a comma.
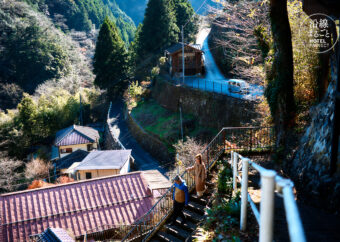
x: 143, y: 160
x: 214, y: 80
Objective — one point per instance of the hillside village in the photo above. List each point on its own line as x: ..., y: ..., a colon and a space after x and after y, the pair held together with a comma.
x: 179, y: 120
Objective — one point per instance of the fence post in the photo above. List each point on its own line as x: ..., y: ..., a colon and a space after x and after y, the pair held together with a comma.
x: 244, y: 194
x: 267, y: 206
x: 235, y: 162
x: 223, y: 137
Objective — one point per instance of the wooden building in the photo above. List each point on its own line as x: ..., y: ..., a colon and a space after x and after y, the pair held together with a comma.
x: 193, y: 57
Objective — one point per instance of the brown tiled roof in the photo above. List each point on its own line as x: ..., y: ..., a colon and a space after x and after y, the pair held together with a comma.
x: 78, y: 206
x: 76, y: 135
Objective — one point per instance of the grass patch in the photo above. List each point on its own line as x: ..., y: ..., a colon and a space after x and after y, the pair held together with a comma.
x: 165, y: 124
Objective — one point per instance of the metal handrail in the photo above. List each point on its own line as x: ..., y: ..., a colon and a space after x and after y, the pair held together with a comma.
x: 270, y: 182
x: 211, y: 152
x: 168, y: 192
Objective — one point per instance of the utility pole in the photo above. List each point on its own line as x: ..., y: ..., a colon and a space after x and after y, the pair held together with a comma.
x: 80, y: 111
x: 180, y: 113
x: 183, y: 65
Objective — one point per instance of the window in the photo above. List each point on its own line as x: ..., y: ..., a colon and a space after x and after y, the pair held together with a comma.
x: 67, y: 150
x: 89, y: 147
x: 88, y: 175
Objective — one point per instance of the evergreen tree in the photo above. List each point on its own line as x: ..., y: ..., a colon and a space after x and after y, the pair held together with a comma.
x: 159, y: 28
x: 133, y: 49
x: 185, y: 16
x: 110, y: 59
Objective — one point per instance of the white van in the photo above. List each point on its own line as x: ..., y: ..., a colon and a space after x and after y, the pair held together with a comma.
x: 238, y: 86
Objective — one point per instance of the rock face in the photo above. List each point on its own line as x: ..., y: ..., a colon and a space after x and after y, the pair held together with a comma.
x: 311, y: 166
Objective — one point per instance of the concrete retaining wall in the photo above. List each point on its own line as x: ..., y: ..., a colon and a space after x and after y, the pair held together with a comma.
x: 211, y: 109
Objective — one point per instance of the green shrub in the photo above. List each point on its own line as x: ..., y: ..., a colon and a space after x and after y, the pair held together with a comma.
x: 224, y: 184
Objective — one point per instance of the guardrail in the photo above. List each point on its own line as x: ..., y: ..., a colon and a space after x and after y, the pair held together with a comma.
x: 144, y: 228
x: 270, y: 182
x: 220, y: 87
x: 104, y: 232
x: 116, y: 139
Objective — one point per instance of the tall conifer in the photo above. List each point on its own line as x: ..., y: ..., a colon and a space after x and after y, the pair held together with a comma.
x: 159, y: 28
x: 110, y: 59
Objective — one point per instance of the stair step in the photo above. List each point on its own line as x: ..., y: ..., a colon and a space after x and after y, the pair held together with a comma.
x: 177, y: 231
x: 196, y: 207
x: 200, y: 200
x: 192, y: 216
x: 187, y: 225
x: 167, y: 237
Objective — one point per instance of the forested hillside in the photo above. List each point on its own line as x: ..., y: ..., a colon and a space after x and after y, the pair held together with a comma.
x: 137, y: 12
x: 81, y: 15
x: 51, y: 40
x: 34, y: 51
x: 54, y: 67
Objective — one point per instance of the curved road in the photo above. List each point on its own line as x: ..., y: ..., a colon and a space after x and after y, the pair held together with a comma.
x: 143, y: 160
x: 214, y: 80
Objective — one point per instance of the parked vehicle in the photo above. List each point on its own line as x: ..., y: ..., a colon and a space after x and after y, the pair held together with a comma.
x: 238, y: 86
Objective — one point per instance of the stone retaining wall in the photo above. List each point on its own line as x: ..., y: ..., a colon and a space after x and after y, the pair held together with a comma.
x: 148, y: 142
x: 211, y: 109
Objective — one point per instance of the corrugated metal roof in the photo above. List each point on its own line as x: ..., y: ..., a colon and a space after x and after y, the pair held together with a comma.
x: 77, y: 206
x: 76, y: 135
x: 104, y: 159
x: 67, y: 161
x: 174, y: 48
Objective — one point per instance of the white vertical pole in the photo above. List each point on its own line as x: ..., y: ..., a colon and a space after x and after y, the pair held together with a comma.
x: 295, y: 227
x: 235, y: 162
x: 244, y: 194
x: 267, y: 206
x: 183, y: 65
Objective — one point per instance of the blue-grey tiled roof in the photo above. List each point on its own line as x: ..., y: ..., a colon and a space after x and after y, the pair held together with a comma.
x: 66, y: 161
x: 105, y: 159
x: 55, y: 235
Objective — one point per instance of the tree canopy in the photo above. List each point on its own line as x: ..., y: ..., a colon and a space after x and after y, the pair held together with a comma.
x: 110, y: 59
x: 184, y: 13
x: 159, y: 28
x: 81, y: 15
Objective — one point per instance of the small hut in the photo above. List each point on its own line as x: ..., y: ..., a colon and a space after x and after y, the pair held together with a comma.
x: 193, y: 59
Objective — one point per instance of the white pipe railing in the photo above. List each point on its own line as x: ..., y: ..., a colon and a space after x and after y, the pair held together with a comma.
x: 110, y: 129
x: 270, y: 182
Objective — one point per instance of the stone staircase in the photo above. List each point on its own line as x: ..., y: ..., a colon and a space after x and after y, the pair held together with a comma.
x: 194, y: 212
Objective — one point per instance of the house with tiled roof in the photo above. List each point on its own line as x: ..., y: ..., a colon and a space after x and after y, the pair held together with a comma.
x: 104, y: 163
x: 53, y: 235
x: 75, y: 138
x: 83, y: 207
